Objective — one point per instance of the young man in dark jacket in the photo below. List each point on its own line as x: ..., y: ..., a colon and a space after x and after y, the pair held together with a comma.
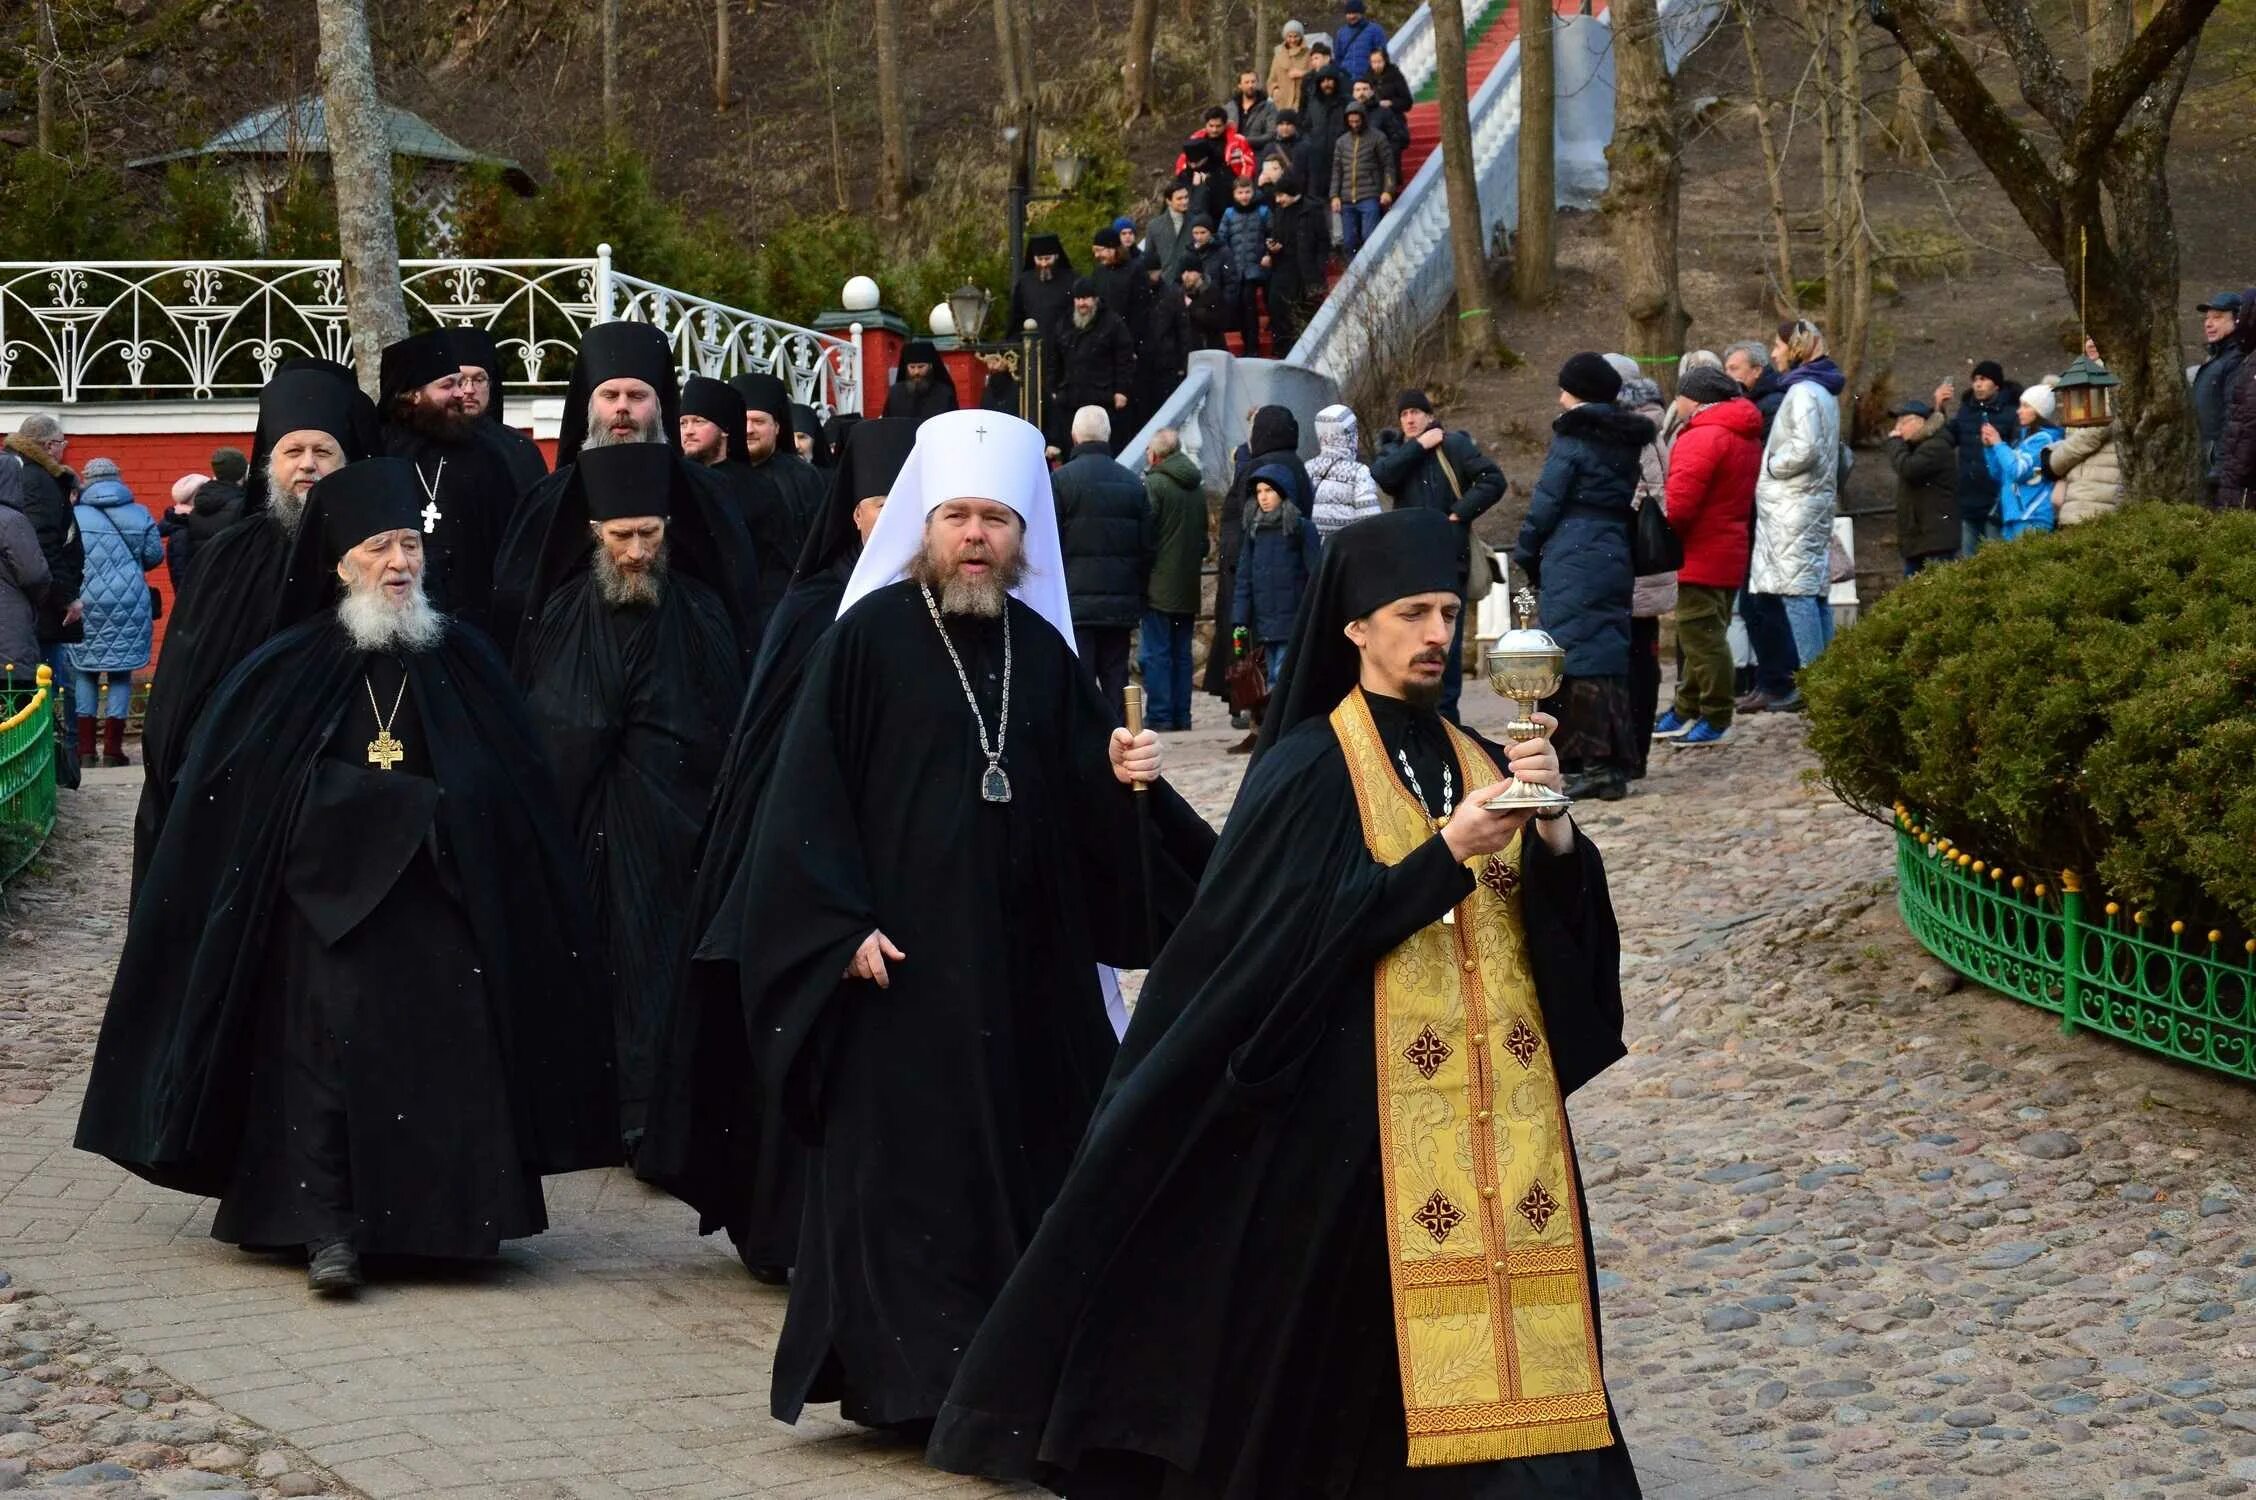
x: 1108, y: 535
x: 1299, y: 244
x: 1365, y: 178
x: 48, y: 490
x: 2213, y: 383
x: 1245, y: 239
x: 1924, y: 455
x: 1989, y: 402
x: 1206, y: 310
x: 1445, y: 471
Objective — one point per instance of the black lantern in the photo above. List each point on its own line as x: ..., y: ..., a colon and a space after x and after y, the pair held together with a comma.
x: 968, y: 304
x: 2086, y: 394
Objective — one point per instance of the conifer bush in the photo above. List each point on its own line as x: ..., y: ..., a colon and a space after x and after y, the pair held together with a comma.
x: 2084, y: 700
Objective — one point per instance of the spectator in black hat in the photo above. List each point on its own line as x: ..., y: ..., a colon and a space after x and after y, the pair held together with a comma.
x: 1289, y: 149
x: 1924, y: 455
x: 1096, y: 362
x: 2213, y: 382
x: 1989, y: 401
x: 921, y: 388
x: 1445, y: 471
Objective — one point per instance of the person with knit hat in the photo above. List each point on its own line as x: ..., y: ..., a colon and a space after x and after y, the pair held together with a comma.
x: 1710, y: 495
x: 2017, y: 464
x: 1433, y: 468
x: 1288, y: 65
x: 1990, y: 399
x: 1575, y: 548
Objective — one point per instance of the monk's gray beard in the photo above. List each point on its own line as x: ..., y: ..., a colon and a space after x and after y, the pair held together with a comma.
x: 284, y: 504
x: 1084, y: 319
x: 965, y: 594
x: 375, y: 623
x: 599, y: 434
x: 624, y: 590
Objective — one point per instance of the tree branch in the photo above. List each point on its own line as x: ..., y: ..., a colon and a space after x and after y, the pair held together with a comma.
x: 2048, y: 89
x: 2021, y: 170
x: 2119, y: 87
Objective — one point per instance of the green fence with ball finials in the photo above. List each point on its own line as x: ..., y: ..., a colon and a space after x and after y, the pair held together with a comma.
x: 2185, y: 994
x: 27, y: 770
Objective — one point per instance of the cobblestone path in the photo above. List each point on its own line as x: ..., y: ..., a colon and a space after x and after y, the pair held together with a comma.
x: 1858, y: 1233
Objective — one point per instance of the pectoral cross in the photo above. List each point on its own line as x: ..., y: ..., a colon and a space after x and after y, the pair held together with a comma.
x: 384, y: 752
x: 431, y: 517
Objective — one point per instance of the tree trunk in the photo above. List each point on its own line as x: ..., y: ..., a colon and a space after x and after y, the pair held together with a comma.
x: 1913, y: 127
x: 1219, y: 77
x: 895, y: 178
x: 1774, y: 168
x: 1819, y: 17
x: 1645, y: 177
x: 721, y: 55
x: 1014, y: 47
x: 360, y: 166
x: 1534, y: 247
x: 44, y: 82
x: 1468, y: 245
x: 1856, y: 304
x: 1136, y: 71
x: 610, y: 67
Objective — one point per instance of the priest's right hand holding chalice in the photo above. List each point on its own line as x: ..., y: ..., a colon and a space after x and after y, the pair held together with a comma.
x: 1486, y: 820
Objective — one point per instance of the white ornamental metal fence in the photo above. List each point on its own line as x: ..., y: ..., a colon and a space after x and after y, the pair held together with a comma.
x: 74, y: 332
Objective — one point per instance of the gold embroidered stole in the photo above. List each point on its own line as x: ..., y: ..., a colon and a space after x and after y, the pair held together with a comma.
x: 1493, y: 1313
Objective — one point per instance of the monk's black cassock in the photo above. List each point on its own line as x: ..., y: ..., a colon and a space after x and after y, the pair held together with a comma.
x: 713, y: 1141
x: 1207, y: 1312
x: 465, y: 477
x: 632, y: 703
x: 228, y: 609
x: 527, y: 465
x: 353, y: 1001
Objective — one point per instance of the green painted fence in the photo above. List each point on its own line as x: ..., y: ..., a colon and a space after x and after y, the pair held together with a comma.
x: 2184, y: 994
x: 27, y: 770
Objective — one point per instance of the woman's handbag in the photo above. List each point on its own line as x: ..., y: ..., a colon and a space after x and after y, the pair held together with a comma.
x: 1248, y: 681
x: 1654, y: 545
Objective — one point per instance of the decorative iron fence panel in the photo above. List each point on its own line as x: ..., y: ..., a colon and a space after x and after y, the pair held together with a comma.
x: 2160, y: 986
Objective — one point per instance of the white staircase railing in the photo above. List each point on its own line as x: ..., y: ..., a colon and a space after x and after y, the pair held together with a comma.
x: 79, y: 331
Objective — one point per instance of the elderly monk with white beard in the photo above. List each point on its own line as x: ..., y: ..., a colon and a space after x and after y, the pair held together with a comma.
x: 353, y: 1005
x: 312, y: 421
x: 948, y: 850
x: 632, y: 675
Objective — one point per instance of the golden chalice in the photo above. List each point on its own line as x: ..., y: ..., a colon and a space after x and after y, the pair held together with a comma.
x: 1525, y: 665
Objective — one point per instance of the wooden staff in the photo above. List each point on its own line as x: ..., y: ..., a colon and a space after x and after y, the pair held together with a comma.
x: 1133, y: 702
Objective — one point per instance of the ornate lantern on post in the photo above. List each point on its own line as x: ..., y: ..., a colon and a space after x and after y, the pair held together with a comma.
x: 2085, y: 390
x: 968, y: 304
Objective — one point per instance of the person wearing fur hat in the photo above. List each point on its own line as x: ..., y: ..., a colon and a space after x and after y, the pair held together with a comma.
x: 1436, y: 469
x: 1575, y: 546
x: 2017, y: 464
x: 1096, y: 362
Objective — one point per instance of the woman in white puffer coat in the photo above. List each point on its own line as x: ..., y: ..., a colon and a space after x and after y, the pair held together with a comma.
x: 1788, y: 621
x: 1345, y: 490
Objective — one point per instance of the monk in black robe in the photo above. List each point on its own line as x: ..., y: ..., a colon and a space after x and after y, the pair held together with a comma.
x: 352, y: 1003
x: 773, y: 457
x: 631, y: 673
x: 312, y: 421
x: 712, y: 1141
x: 1334, y: 1147
x: 485, y: 394
x: 624, y: 390
x: 469, y: 491
x: 712, y: 435
x: 921, y: 387
x: 809, y: 439
x: 939, y: 875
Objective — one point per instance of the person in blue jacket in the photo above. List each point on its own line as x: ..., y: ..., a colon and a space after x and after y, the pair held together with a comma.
x: 1276, y: 562
x: 122, y: 543
x: 1358, y: 35
x: 2017, y: 464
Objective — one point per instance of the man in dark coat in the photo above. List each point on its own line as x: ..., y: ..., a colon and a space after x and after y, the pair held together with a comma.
x: 1923, y: 452
x: 631, y: 674
x: 926, y: 997
x: 1277, y: 1267
x: 1990, y: 401
x: 712, y: 435
x: 312, y: 421
x: 1436, y: 469
x: 1096, y: 362
x: 351, y: 1005
x: 1206, y: 307
x: 714, y: 1140
x: 2213, y: 382
x: 1164, y: 343
x: 1109, y: 536
x: 921, y: 387
x: 774, y: 458
x: 1575, y: 547
x: 485, y: 395
x: 1323, y: 108
x: 48, y: 491
x: 1299, y: 244
x: 469, y: 490
x: 1749, y: 365
x: 1042, y: 293
x: 1273, y: 437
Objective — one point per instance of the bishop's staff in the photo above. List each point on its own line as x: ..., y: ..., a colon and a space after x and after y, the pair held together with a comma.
x: 1133, y: 702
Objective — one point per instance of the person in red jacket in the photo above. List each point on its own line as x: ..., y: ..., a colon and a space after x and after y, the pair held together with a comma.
x: 1237, y: 151
x: 1710, y: 500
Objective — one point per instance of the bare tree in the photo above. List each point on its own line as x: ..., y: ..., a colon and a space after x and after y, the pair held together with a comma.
x: 1014, y: 55
x: 360, y: 167
x: 1468, y: 247
x: 610, y: 9
x: 721, y: 55
x: 895, y: 179
x: 1645, y: 181
x: 2107, y: 153
x: 43, y: 85
x: 1535, y: 250
x: 1774, y: 166
x: 1219, y: 74
x: 1136, y: 71
x: 1851, y: 338
x: 1915, y: 127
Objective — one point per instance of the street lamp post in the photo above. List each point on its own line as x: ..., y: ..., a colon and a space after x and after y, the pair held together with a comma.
x: 1066, y: 166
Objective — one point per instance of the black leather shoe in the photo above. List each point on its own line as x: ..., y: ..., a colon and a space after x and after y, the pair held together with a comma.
x: 334, y: 1269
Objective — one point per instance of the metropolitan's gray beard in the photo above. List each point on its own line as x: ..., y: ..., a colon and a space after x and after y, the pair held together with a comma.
x: 624, y: 590
x: 962, y: 593
x: 375, y: 623
x: 599, y: 434
x: 1084, y: 319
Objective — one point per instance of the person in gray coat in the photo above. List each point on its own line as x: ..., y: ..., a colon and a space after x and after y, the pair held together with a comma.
x: 1575, y: 547
x: 23, y: 581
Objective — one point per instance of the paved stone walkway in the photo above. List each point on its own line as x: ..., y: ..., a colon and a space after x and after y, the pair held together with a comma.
x: 1857, y: 1234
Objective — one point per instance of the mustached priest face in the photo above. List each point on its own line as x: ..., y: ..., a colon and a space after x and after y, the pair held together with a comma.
x: 630, y: 559
x: 703, y: 441
x: 760, y: 434
x: 477, y: 390
x: 624, y: 410
x: 384, y: 607
x: 298, y: 460
x: 974, y: 555
x: 1405, y: 646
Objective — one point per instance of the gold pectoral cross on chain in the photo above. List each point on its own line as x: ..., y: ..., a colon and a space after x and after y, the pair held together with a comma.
x: 384, y: 752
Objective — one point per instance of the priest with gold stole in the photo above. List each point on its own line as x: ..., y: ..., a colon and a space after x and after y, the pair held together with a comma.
x: 1325, y: 1235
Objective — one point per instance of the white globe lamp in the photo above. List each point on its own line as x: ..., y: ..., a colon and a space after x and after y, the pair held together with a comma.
x: 859, y: 295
